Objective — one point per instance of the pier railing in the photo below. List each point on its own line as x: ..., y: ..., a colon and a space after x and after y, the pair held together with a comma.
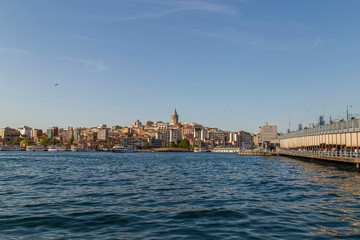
x: 344, y: 153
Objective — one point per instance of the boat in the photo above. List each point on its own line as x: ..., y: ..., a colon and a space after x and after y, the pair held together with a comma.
x: 35, y: 148
x: 61, y: 148
x: 75, y: 148
x: 124, y: 149
x: 52, y: 149
x: 197, y: 150
x: 11, y: 148
x: 226, y: 150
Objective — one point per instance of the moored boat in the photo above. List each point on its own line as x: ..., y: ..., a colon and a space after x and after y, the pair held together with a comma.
x: 75, y: 148
x: 35, y: 148
x: 124, y: 149
x: 61, y: 148
x: 197, y: 150
x: 52, y: 149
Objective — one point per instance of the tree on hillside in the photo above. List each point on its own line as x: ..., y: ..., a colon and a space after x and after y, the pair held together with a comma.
x: 17, y: 140
x: 184, y: 144
x: 26, y: 141
x: 172, y: 144
x: 44, y: 141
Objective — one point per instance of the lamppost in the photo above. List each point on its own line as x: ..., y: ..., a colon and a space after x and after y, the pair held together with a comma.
x: 324, y: 106
x: 289, y: 122
x: 347, y: 112
x: 347, y: 122
x: 302, y: 116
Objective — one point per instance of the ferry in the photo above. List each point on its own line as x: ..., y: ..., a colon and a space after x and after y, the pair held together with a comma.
x: 197, y: 150
x: 124, y: 149
x: 61, y: 148
x: 35, y: 148
x: 75, y: 148
x: 11, y: 148
x: 226, y: 150
x: 52, y: 149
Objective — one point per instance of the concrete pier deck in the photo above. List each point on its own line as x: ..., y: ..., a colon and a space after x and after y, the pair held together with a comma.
x: 351, y: 160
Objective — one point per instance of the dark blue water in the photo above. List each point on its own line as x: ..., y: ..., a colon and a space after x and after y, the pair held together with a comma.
x: 174, y: 196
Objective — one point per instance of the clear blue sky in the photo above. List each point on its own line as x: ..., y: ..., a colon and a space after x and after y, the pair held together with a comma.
x: 230, y: 64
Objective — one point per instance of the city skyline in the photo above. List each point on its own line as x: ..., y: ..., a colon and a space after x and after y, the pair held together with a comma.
x: 174, y: 120
x: 233, y: 65
x: 143, y: 135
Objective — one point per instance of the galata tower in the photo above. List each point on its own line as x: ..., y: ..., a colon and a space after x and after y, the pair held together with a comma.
x: 174, y: 118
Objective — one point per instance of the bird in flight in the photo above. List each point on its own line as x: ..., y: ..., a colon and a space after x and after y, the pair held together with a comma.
x: 56, y: 84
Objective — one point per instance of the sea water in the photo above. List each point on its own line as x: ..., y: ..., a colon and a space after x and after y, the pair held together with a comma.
x: 104, y: 195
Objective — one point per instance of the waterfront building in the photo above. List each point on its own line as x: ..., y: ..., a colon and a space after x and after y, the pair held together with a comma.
x: 63, y: 135
x: 245, y: 140
x: 168, y: 135
x: 88, y: 134
x: 163, y: 136
x: 103, y: 132
x: 218, y: 137
x: 197, y: 133
x: 186, y: 131
x: 233, y: 138
x: 52, y: 132
x: 9, y: 134
x: 266, y: 137
x: 36, y: 133
x: 25, y: 131
x: 174, y: 135
x: 203, y: 134
x: 175, y: 118
x: 70, y: 133
x: 77, y: 134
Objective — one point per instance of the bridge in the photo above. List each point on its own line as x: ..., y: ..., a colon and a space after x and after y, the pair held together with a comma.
x: 336, y: 142
x: 340, y: 136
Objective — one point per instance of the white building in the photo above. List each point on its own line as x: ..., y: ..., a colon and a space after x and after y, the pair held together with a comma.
x: 103, y: 132
x: 266, y: 134
x: 25, y: 131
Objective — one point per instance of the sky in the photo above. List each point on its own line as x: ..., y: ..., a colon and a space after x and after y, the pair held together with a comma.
x: 231, y: 64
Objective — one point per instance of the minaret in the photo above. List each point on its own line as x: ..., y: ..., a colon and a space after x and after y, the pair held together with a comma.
x: 174, y: 118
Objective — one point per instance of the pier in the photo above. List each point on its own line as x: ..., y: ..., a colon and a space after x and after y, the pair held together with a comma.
x: 339, y: 157
x: 335, y: 142
x: 340, y: 136
x: 349, y: 158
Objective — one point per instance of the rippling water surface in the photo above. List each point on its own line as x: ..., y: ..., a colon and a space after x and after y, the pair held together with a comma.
x: 66, y: 195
